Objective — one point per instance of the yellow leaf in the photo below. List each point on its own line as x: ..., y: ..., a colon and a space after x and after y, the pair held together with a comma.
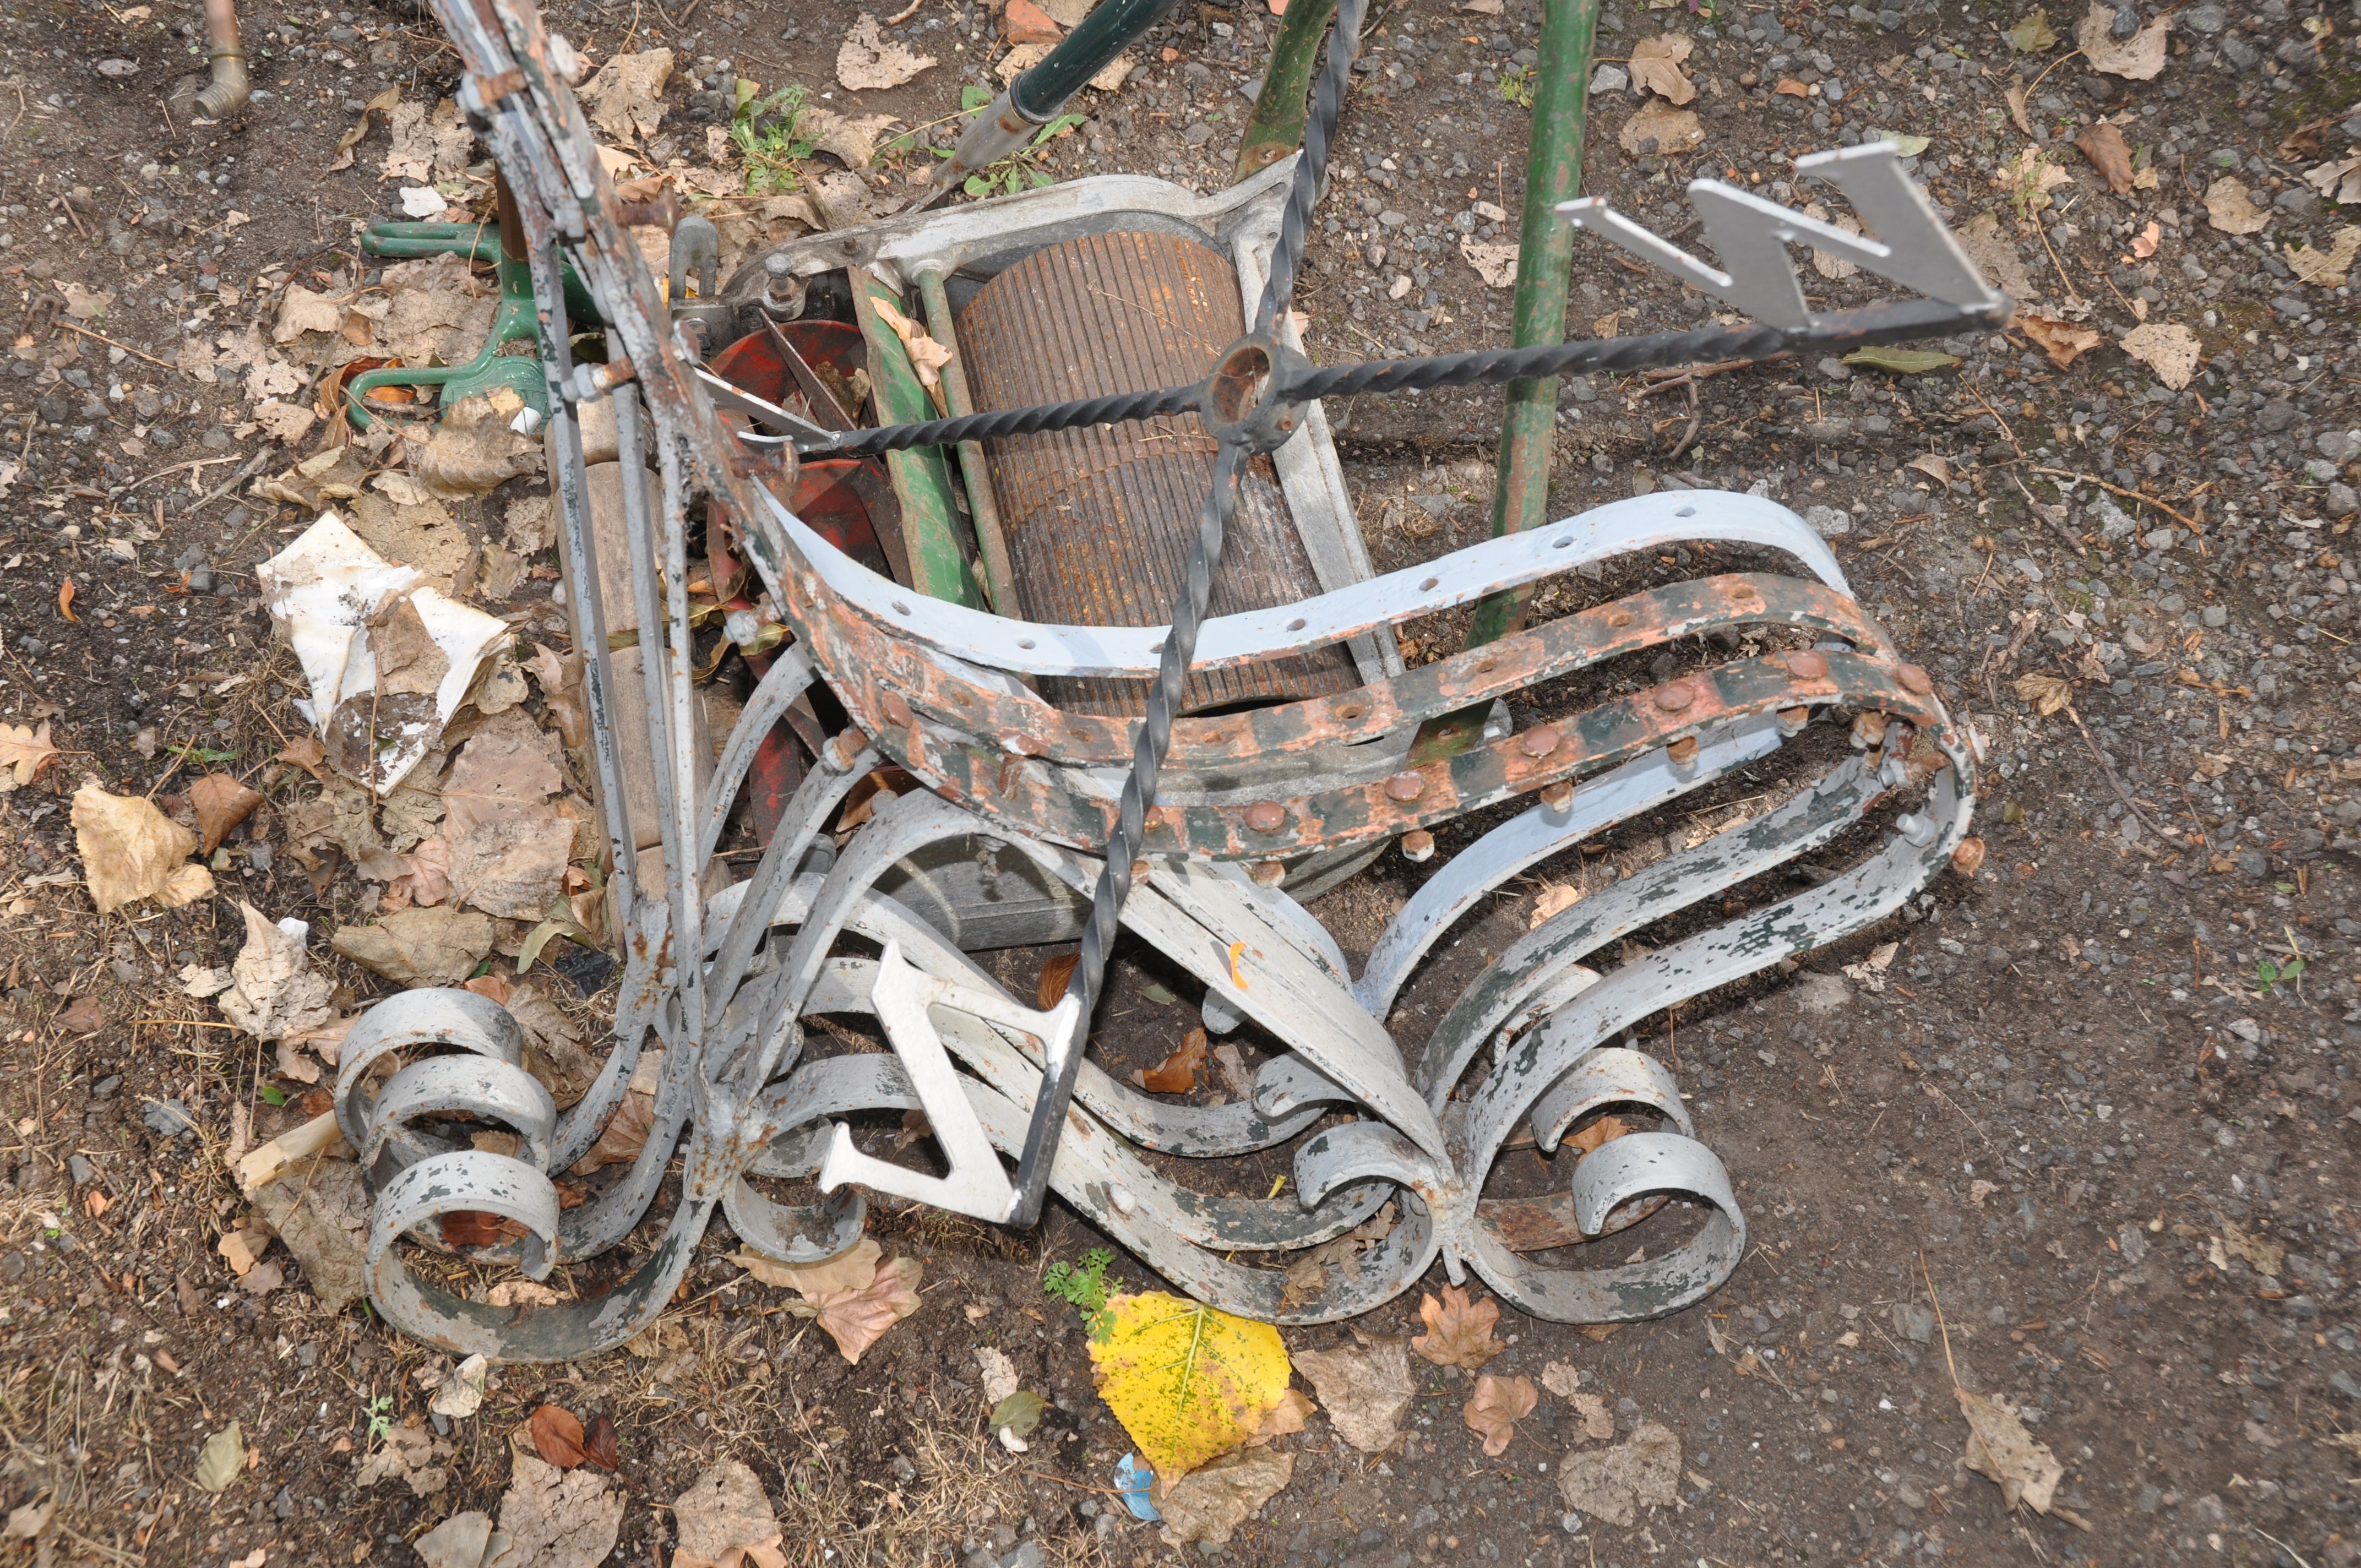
x: 1188, y: 1383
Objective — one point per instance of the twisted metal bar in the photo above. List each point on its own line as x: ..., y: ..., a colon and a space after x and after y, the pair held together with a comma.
x: 1841, y: 329
x: 1065, y: 1056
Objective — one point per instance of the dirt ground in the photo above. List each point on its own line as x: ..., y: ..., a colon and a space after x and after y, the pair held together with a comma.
x: 2087, y: 1141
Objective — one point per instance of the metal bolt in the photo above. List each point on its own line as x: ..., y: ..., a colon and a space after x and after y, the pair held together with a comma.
x: 897, y: 712
x: 1674, y: 695
x: 1268, y: 874
x: 842, y: 747
x: 1418, y: 846
x: 1868, y: 731
x: 1807, y: 664
x: 1139, y: 870
x: 1266, y: 817
x: 1406, y: 787
x: 1618, y: 618
x: 1558, y: 797
x: 1683, y: 753
x: 1915, y: 680
x: 1792, y: 720
x: 1540, y: 742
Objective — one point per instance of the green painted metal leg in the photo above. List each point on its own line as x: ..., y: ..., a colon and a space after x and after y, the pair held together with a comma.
x: 1553, y: 174
x: 1276, y: 126
x: 517, y: 320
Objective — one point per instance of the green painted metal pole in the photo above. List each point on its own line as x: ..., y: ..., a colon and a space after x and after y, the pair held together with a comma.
x: 1544, y: 258
x: 1276, y: 126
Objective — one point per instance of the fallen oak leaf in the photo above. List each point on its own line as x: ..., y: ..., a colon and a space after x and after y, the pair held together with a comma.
x: 1364, y: 1389
x: 1458, y: 1330
x: 856, y: 1319
x: 26, y: 749
x: 2001, y: 1449
x: 1495, y: 1408
x: 2062, y: 341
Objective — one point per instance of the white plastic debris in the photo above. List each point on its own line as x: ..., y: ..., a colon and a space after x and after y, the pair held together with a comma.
x: 324, y: 590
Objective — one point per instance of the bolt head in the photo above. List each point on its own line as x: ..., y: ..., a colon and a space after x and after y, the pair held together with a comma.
x: 1674, y: 695
x: 897, y: 712
x: 1915, y: 680
x: 1807, y: 664
x: 1418, y: 846
x: 1268, y: 874
x: 1540, y: 742
x: 1405, y: 787
x: 1558, y: 797
x: 1266, y: 817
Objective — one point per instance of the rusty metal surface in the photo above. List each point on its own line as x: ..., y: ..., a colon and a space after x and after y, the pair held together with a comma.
x: 1098, y: 519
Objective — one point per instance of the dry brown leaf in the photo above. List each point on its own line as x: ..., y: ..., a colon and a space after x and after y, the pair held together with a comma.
x: 274, y: 992
x: 1458, y: 1332
x: 1597, y: 1420
x: 856, y: 1319
x: 1614, y: 1484
x: 420, y: 947
x: 2265, y: 1258
x: 306, y: 752
x: 2229, y: 208
x: 868, y: 60
x: 631, y: 1123
x: 2062, y: 341
x: 1365, y: 1389
x: 2015, y: 96
x: 1213, y: 1500
x: 2046, y: 694
x: 1286, y: 1419
x: 1656, y: 67
x: 26, y: 749
x: 1495, y: 264
x: 928, y: 357
x: 1605, y: 1129
x: 221, y: 803
x: 1999, y: 1447
x: 1660, y: 129
x: 557, y: 1519
x: 473, y: 449
x: 2144, y: 243
x: 2171, y: 351
x: 1554, y: 898
x: 410, y: 1455
x: 84, y: 1016
x: 1790, y: 88
x: 1176, y: 1074
x: 625, y: 98
x: 853, y: 1269
x: 557, y: 1436
x: 2327, y: 268
x: 724, y: 1518
x: 130, y: 850
x: 2139, y: 58
x: 1495, y: 1408
x: 1056, y: 975
x: 2105, y: 146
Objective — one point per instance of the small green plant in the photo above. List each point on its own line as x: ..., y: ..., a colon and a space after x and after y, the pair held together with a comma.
x: 273, y: 1094
x: 1084, y: 1286
x: 769, y: 136
x: 1019, y: 170
x: 1517, y: 86
x: 380, y: 1418
x: 2271, y: 975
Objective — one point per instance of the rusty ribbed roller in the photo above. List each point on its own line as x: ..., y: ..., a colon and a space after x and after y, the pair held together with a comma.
x: 1100, y: 521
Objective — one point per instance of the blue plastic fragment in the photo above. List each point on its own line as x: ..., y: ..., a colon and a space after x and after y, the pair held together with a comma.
x: 1131, y: 1479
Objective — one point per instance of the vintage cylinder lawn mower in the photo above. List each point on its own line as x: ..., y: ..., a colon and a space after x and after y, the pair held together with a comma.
x: 1071, y: 635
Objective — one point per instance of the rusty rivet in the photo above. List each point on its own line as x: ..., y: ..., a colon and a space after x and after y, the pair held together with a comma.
x: 1792, y: 720
x: 1806, y: 663
x: 1140, y: 870
x: 1674, y: 695
x: 1406, y: 787
x: 897, y: 712
x: 1968, y: 857
x: 1540, y: 742
x: 1266, y: 817
x: 1351, y: 710
x: 1418, y: 846
x: 1683, y: 752
x: 1558, y: 797
x: 1868, y: 731
x: 1618, y: 617
x: 1915, y: 680
x: 1269, y: 873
